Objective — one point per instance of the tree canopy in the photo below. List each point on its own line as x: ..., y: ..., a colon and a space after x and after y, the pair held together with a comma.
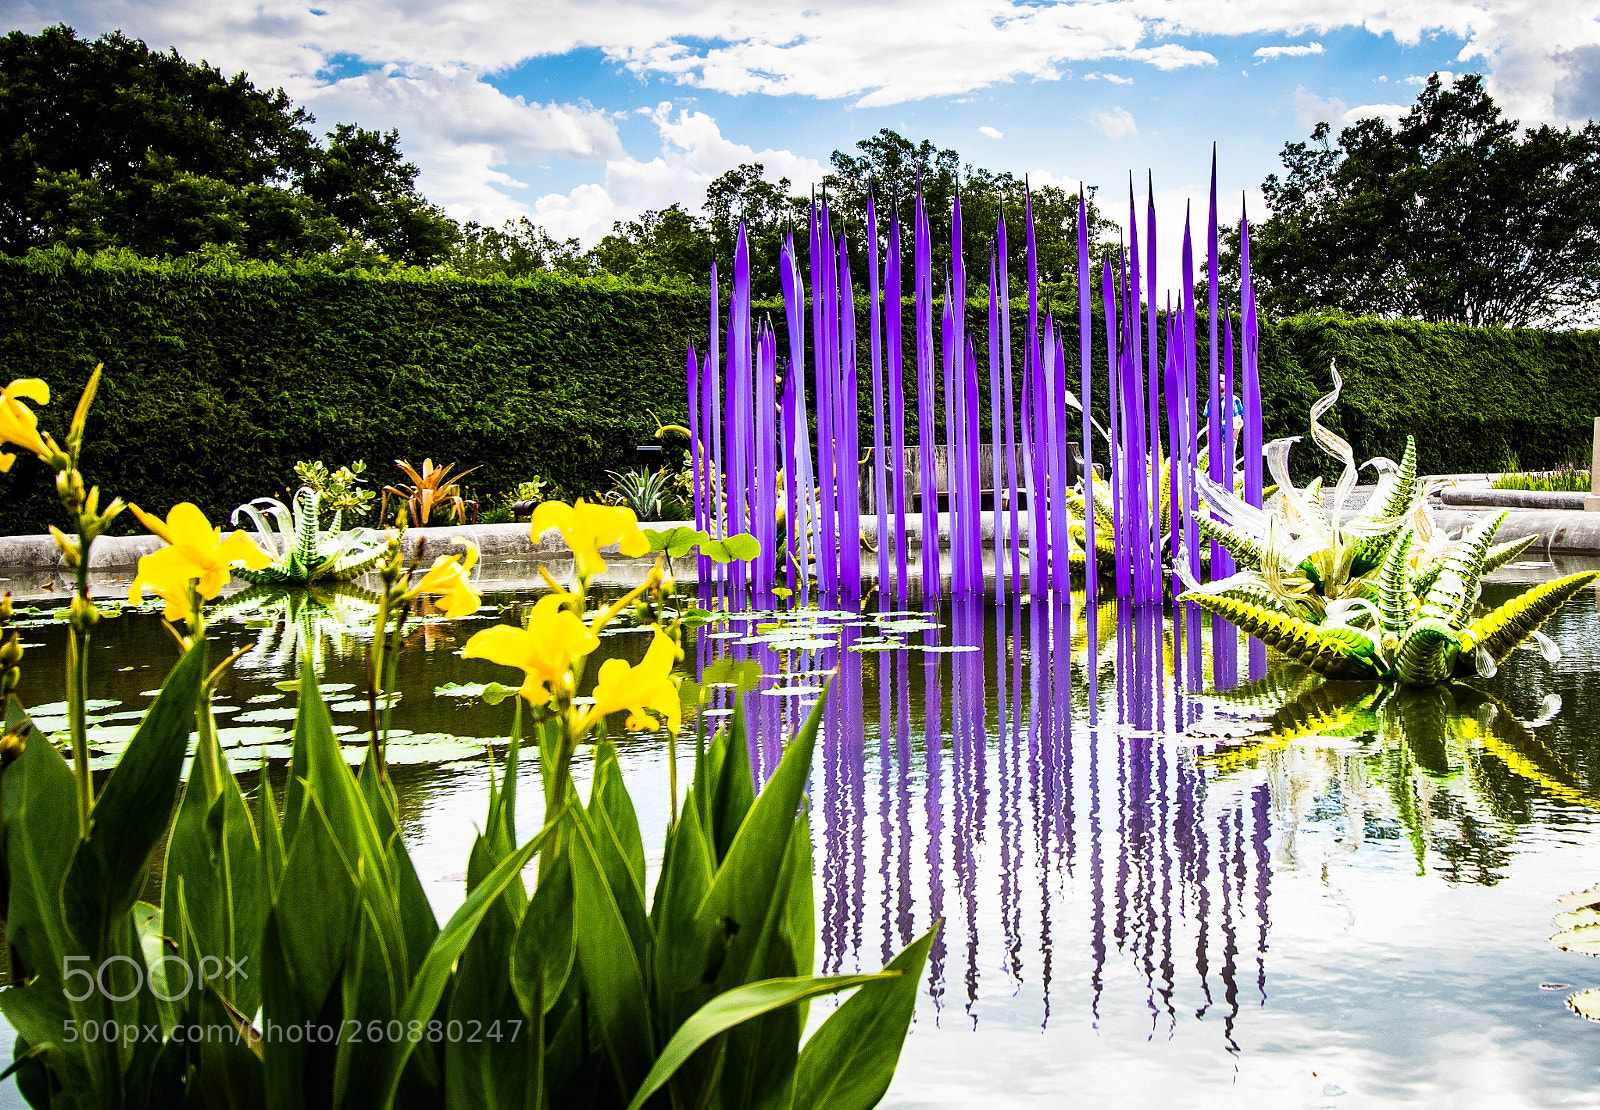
x: 674, y: 246
x: 1453, y: 216
x: 106, y: 143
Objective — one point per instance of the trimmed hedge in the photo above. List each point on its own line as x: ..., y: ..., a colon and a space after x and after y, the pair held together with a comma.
x: 219, y: 377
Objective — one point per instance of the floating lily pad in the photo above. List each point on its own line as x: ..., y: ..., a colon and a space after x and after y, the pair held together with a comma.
x: 492, y: 692
x: 262, y: 699
x: 1577, y: 899
x: 263, y: 716
x: 1586, y: 1004
x: 792, y: 691
x: 1583, y: 941
x: 878, y: 645
x: 1577, y: 919
x: 942, y: 647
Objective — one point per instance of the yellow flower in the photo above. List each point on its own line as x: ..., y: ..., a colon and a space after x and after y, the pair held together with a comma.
x: 447, y: 579
x: 544, y: 650
x: 18, y: 425
x: 587, y: 528
x: 650, y: 685
x: 195, y: 552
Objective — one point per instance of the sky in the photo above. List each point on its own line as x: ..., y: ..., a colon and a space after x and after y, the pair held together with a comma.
x: 578, y: 114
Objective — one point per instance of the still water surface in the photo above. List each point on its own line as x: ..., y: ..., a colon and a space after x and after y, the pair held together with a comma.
x: 1167, y: 877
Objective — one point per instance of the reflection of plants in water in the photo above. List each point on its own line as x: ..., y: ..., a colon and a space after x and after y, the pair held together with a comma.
x: 296, y: 621
x: 1447, y: 756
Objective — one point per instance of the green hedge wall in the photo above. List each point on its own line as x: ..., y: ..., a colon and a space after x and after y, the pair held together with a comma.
x: 220, y: 377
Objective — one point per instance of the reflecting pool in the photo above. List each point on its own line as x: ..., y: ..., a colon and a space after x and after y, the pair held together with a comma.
x: 1170, y: 872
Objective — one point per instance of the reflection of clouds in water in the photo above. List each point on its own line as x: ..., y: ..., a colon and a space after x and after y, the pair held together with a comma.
x: 1122, y: 875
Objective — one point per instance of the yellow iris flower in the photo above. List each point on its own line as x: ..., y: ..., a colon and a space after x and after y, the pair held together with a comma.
x: 587, y: 528
x: 18, y: 425
x: 447, y: 579
x: 195, y: 552
x: 544, y: 650
x: 650, y: 685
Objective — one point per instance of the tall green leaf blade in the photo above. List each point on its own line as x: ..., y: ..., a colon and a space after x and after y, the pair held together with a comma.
x: 429, y: 984
x: 849, y: 1061
x: 759, y: 1056
x: 545, y: 950
x: 735, y: 790
x: 108, y: 870
x: 612, y: 975
x: 729, y: 1009
x: 38, y: 797
x: 745, y: 883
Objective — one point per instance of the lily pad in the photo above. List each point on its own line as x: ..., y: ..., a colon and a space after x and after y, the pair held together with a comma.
x: 264, y: 716
x: 1582, y: 941
x: 792, y: 691
x: 1586, y: 1004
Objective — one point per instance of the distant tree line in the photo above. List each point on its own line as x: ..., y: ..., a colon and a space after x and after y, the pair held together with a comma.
x: 1454, y: 215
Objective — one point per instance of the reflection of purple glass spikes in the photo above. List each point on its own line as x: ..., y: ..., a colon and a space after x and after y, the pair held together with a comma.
x: 1261, y: 832
x: 848, y: 465
x: 879, y: 489
x: 894, y: 304
x: 922, y: 262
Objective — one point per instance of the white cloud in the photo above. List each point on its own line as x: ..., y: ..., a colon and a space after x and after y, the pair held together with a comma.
x: 1268, y: 53
x: 1311, y: 109
x: 693, y: 152
x: 1116, y: 123
x: 991, y: 132
x: 1114, y: 78
x: 458, y: 129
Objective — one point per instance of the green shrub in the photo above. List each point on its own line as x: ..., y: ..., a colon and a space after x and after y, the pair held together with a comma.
x: 220, y: 376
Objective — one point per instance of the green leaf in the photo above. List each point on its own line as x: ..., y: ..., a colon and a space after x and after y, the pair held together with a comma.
x: 612, y: 977
x: 849, y: 1061
x: 747, y: 880
x: 676, y: 542
x: 434, y: 976
x: 544, y: 951
x: 1583, y: 941
x: 734, y: 791
x: 743, y: 675
x: 109, y: 869
x: 731, y: 1008
x: 38, y: 800
x: 1586, y: 1004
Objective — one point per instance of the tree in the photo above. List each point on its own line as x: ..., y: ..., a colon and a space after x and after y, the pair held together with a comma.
x: 517, y: 249
x: 1454, y: 216
x: 106, y: 143
x: 362, y: 180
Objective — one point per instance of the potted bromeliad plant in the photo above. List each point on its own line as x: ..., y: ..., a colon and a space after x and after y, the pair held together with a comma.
x: 294, y: 959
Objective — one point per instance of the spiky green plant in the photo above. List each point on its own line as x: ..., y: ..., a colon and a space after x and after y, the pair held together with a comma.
x: 1415, y: 638
x: 304, y: 554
